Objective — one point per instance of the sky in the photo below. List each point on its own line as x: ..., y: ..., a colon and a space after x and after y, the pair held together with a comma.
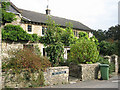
x: 96, y: 14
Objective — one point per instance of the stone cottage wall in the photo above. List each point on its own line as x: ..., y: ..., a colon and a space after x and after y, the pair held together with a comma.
x: 85, y: 71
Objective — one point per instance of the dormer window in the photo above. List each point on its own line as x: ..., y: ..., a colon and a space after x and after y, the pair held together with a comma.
x: 29, y: 28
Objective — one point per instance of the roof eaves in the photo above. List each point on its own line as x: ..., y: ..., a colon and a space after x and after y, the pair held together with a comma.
x: 14, y: 7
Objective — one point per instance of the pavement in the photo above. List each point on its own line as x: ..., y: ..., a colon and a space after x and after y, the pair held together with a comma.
x: 113, y: 82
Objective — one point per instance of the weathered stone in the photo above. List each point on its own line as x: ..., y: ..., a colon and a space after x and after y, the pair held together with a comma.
x: 56, y: 75
x: 84, y: 71
x: 114, y: 59
x: 14, y: 80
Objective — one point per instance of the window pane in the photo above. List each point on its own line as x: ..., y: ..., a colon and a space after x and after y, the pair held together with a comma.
x: 29, y: 28
x: 43, y: 51
x: 76, y: 33
x: 43, y: 30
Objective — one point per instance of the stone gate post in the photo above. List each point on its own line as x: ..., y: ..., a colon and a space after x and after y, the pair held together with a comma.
x: 114, y: 58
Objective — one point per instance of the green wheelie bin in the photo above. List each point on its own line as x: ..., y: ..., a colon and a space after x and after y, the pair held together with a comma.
x: 104, y: 69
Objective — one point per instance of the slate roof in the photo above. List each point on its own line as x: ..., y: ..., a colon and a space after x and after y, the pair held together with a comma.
x: 42, y: 18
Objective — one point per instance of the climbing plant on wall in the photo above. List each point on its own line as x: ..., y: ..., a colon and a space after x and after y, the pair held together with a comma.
x: 7, y: 17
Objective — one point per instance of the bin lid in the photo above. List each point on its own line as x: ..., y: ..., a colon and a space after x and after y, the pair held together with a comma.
x: 104, y: 65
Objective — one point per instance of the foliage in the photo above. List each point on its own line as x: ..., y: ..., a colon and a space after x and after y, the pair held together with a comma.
x: 16, y: 33
x: 99, y: 34
x: 24, y: 79
x: 35, y: 37
x: 105, y: 61
x: 37, y: 50
x: 113, y: 32
x: 83, y: 35
x: 111, y: 36
x: 67, y: 37
x: 27, y: 65
x: 25, y: 59
x: 55, y: 53
x: 107, y: 48
x: 52, y: 40
x: 94, y: 39
x: 7, y: 17
x: 84, y: 51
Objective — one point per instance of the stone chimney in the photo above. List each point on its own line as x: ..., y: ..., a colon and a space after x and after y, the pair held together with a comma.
x: 48, y: 11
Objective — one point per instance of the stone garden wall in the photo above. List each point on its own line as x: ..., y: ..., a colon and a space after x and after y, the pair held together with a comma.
x: 113, y: 59
x: 56, y: 75
x: 52, y: 76
x: 85, y: 71
x: 7, y: 46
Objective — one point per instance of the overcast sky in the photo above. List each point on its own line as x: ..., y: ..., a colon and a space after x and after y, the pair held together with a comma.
x: 96, y: 14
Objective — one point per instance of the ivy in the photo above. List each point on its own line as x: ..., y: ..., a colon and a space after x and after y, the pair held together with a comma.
x: 16, y: 33
x: 7, y: 17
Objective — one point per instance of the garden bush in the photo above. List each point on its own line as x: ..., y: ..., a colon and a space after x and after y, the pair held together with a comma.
x: 84, y: 51
x: 26, y: 59
x: 26, y: 62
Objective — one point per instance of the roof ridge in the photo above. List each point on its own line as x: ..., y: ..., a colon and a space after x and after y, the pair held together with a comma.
x: 60, y: 20
x: 56, y: 17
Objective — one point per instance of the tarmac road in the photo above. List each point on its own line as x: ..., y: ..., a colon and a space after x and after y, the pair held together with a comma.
x: 113, y: 82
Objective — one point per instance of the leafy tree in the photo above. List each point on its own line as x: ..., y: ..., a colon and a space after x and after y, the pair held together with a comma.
x: 83, y: 35
x: 100, y: 34
x: 52, y: 39
x: 107, y: 48
x: 114, y: 32
x: 7, y: 17
x: 67, y: 36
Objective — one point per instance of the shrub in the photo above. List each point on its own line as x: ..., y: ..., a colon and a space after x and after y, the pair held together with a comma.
x: 25, y: 66
x: 26, y: 59
x: 84, y: 51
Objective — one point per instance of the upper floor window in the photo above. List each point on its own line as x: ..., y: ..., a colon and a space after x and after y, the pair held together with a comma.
x: 76, y: 34
x: 29, y: 28
x: 44, y: 30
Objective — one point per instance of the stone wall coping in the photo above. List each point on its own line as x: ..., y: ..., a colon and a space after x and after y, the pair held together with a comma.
x: 114, y: 55
x: 59, y: 67
x: 107, y: 57
x: 88, y: 64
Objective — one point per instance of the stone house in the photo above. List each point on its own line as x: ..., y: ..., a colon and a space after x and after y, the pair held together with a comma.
x: 35, y: 23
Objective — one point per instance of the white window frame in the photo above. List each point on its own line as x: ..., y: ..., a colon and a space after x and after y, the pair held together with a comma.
x: 31, y: 29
